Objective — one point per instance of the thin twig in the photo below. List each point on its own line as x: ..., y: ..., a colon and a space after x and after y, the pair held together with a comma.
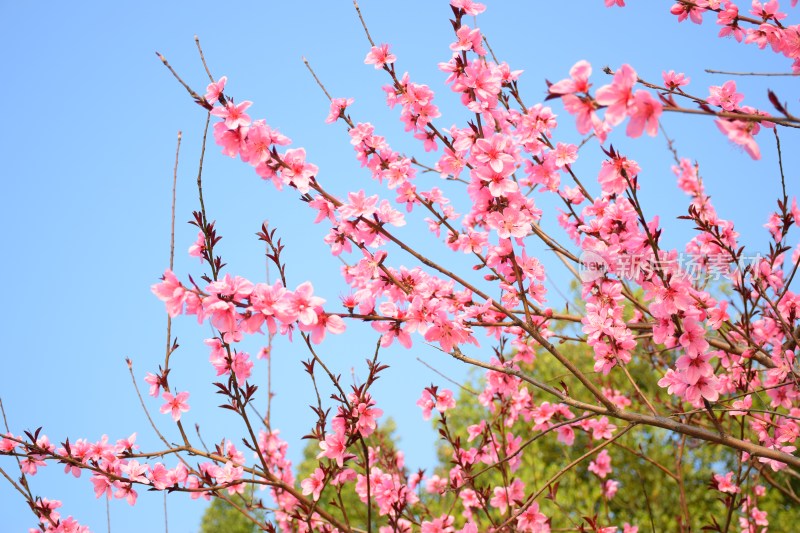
x: 728, y: 73
x: 639, y: 391
x: 8, y: 432
x: 200, y: 171
x: 203, y: 58
x: 13, y: 483
x: 454, y: 382
x: 174, y: 189
x: 197, y: 98
x: 321, y: 86
x: 363, y: 24
x: 270, y: 336
x: 647, y: 500
x: 144, y: 407
x: 780, y: 161
x: 172, y: 237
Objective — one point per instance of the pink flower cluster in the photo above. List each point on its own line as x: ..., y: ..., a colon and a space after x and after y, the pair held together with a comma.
x: 236, y: 306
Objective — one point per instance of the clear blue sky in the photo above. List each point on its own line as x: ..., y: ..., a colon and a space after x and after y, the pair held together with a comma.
x: 87, y: 162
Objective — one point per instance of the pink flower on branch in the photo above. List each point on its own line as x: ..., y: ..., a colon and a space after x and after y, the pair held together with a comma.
x: 673, y: 80
x: 175, y: 404
x: 601, y: 465
x: 725, y: 96
x: 578, y: 81
x: 618, y: 95
x: 171, y: 292
x: 214, y: 90
x: 469, y: 7
x: 644, y: 114
x: 432, y: 398
x: 233, y: 114
x: 334, y: 447
x: 741, y: 132
x: 693, y: 11
x: 314, y: 484
x: 380, y: 56
x: 338, y: 105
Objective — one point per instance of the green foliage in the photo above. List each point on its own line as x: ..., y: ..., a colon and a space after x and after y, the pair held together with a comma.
x: 221, y: 517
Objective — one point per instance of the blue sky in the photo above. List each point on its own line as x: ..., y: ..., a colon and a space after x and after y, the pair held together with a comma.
x: 87, y: 168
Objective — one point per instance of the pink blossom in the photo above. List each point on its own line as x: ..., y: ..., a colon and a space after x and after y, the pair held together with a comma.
x: 610, y: 487
x: 693, y: 367
x: 126, y: 445
x: 298, y: 173
x: 155, y: 384
x: 230, y: 474
x: 767, y: 11
x: 601, y: 428
x: 442, y: 400
x: 613, y: 174
x: 214, y: 89
x: 505, y: 497
x: 565, y: 154
x: 644, y: 113
x: 314, y: 484
x: 102, y: 485
x: 725, y: 96
x: 125, y: 490
x: 358, y: 205
x: 741, y: 132
x: 578, y: 81
x: 230, y: 140
x: 338, y: 105
x: 241, y: 366
x: 199, y: 246
x: 6, y: 444
x: 705, y: 387
x: 171, y: 292
x: 161, y: 476
x: 618, y: 95
x: 673, y: 80
x: 380, y: 56
x: 334, y: 447
x: 175, y: 404
x: 136, y: 472
x: 693, y: 337
x: 584, y: 111
x: 532, y: 520
x: 233, y: 114
x: 468, y: 39
x: 601, y: 466
x: 725, y: 483
x: 443, y: 524
x: 692, y: 11
x: 365, y: 413
x: 325, y: 323
x: 469, y: 7
x: 303, y: 305
x: 728, y: 17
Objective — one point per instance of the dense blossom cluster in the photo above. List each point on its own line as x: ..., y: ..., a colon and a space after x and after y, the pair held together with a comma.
x: 705, y: 353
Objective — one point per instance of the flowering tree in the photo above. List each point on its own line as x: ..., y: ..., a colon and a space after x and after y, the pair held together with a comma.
x: 690, y: 351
